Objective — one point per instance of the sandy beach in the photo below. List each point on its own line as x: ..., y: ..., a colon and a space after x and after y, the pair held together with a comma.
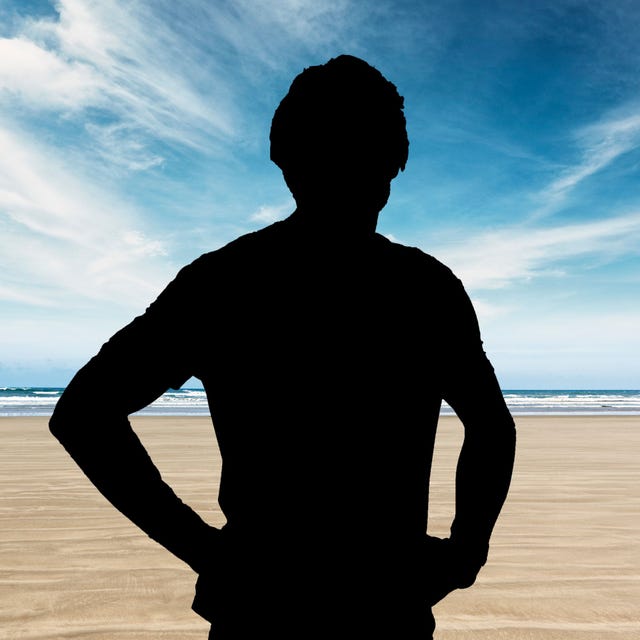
x: 564, y: 562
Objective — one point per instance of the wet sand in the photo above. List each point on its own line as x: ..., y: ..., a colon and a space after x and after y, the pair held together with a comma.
x: 564, y: 562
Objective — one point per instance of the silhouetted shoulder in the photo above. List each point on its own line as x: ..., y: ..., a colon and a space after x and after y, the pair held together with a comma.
x: 204, y: 279
x: 422, y: 264
x: 249, y: 248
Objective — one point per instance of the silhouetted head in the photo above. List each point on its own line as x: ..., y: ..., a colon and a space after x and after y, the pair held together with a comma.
x: 339, y: 136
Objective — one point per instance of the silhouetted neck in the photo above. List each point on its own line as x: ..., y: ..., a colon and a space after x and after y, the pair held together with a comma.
x: 332, y: 228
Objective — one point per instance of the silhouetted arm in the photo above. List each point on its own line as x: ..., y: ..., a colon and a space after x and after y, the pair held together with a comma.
x: 486, y: 460
x: 91, y: 421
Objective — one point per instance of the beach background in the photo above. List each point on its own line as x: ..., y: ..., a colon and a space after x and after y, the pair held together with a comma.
x: 564, y: 561
x: 134, y: 136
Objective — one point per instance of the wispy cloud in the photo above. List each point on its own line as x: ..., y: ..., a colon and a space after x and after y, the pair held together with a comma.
x: 41, y: 77
x: 121, y: 145
x: 118, y: 58
x: 600, y: 145
x: 499, y: 258
x: 265, y: 34
x: 64, y: 241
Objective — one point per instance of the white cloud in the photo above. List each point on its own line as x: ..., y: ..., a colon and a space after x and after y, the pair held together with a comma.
x: 601, y: 144
x: 65, y: 242
x: 121, y: 58
x: 122, y: 145
x: 42, y: 78
x: 498, y: 258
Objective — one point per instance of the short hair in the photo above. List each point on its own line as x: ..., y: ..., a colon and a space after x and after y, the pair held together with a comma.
x: 345, y: 104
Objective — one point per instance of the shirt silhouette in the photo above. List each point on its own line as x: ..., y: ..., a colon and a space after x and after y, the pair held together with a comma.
x: 325, y: 351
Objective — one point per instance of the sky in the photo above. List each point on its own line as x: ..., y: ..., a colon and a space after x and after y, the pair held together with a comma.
x: 134, y: 137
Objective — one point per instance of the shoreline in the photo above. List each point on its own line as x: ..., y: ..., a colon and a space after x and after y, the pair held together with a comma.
x: 564, y: 562
x: 40, y: 402
x: 516, y: 414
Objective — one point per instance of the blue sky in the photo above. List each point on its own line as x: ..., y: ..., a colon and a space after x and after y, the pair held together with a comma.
x: 134, y: 137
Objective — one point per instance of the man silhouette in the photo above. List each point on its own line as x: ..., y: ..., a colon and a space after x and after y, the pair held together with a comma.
x: 325, y: 351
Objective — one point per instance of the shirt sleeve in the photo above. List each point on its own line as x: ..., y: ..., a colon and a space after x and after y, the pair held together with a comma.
x: 486, y: 459
x: 137, y: 365
x: 469, y: 385
x: 150, y: 355
x: 153, y: 353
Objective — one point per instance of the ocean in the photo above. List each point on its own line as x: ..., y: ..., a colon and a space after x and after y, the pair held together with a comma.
x: 40, y: 401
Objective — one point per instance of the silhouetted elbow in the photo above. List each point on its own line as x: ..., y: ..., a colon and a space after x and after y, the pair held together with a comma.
x: 60, y: 424
x: 67, y: 416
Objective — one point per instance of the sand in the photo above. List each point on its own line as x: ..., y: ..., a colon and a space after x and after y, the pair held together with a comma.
x: 564, y: 562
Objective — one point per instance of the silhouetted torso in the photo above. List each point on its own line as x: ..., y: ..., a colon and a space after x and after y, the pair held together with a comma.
x: 324, y: 360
